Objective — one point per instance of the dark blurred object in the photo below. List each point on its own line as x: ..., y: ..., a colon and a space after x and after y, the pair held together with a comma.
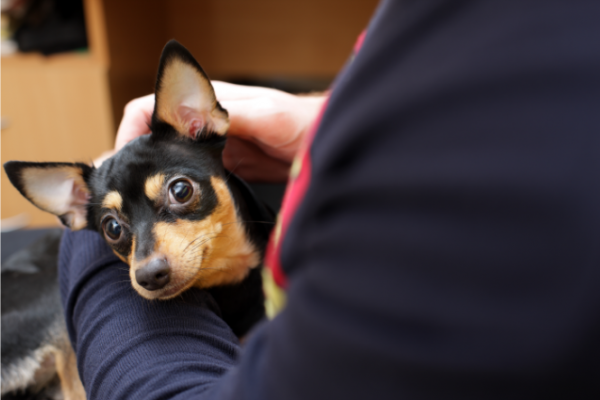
x: 14, y: 241
x: 270, y: 193
x: 32, y: 322
x: 50, y: 26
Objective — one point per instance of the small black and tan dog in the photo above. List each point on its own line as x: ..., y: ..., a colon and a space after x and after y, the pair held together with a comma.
x: 165, y: 203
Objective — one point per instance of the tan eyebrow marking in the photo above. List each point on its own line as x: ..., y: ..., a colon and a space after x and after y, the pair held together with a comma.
x: 153, y: 186
x: 113, y: 200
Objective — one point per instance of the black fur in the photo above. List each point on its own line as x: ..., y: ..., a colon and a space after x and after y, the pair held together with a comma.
x: 171, y: 153
x: 198, y: 160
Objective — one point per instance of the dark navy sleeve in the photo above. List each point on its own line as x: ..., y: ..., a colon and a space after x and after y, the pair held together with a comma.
x: 447, y: 246
x: 128, y: 347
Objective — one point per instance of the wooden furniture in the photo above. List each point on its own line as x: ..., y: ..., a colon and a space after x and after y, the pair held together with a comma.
x: 54, y: 108
x: 66, y: 107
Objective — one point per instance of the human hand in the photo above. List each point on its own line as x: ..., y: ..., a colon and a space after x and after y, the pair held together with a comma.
x: 137, y: 117
x: 274, y: 121
x: 267, y: 127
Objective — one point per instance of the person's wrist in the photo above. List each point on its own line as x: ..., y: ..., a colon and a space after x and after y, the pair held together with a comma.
x: 312, y: 107
x: 309, y: 107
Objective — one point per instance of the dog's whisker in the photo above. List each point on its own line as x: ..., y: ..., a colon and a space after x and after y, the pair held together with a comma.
x: 234, y: 168
x: 250, y: 222
x: 197, y: 245
x: 197, y: 238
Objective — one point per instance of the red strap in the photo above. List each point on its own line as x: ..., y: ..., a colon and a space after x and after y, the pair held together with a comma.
x: 296, y: 189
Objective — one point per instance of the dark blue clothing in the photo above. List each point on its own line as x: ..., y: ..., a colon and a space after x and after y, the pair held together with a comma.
x: 448, y: 245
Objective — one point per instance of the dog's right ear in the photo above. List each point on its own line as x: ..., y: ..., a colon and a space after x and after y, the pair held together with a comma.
x: 58, y: 188
x: 185, y: 98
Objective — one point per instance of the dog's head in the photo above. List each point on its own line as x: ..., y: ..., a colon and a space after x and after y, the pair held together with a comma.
x: 163, y: 203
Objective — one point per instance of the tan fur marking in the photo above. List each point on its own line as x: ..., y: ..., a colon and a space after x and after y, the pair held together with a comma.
x: 131, y: 253
x: 113, y: 200
x: 128, y: 259
x: 66, y: 367
x: 153, y: 186
x: 204, y: 253
x: 121, y: 257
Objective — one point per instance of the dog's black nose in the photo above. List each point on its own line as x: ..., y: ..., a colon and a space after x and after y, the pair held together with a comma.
x: 155, y: 275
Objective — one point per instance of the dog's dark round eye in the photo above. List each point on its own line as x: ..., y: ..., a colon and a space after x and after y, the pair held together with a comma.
x: 181, y: 191
x: 113, y: 229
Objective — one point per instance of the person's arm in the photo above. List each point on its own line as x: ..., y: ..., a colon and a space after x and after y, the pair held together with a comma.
x: 447, y: 244
x: 182, y: 344
x: 128, y: 347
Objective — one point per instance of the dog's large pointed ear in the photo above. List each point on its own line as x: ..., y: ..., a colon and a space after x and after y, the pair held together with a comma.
x: 58, y: 188
x: 185, y: 98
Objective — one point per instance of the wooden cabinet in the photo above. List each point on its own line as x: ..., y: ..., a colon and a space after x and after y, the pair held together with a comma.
x: 66, y: 107
x: 54, y: 108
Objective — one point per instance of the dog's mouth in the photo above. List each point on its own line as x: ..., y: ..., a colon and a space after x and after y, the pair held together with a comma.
x: 171, y: 292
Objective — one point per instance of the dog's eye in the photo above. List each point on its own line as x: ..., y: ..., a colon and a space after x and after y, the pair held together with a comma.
x: 113, y: 229
x: 181, y: 191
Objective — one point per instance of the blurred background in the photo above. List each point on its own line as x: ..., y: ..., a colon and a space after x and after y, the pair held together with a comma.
x: 70, y: 66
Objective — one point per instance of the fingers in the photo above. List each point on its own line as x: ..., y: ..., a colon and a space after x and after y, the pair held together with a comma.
x: 229, y: 91
x: 255, y: 117
x: 136, y: 120
x: 273, y: 122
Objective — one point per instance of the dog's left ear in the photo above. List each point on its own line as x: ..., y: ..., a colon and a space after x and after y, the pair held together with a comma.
x: 58, y: 188
x: 185, y: 98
